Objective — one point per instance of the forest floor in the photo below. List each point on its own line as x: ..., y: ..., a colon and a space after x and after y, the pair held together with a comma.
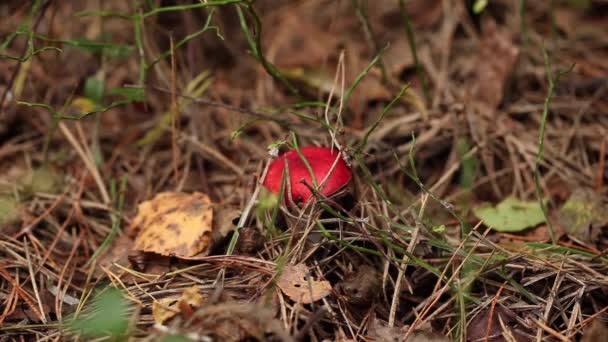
x: 136, y: 136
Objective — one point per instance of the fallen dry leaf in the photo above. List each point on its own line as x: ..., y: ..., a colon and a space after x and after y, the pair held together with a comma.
x: 167, y: 308
x: 495, y: 62
x: 386, y: 14
x: 379, y: 331
x: 584, y: 215
x: 297, y: 284
x: 498, y: 325
x: 298, y: 32
x: 119, y: 253
x: 398, y: 57
x: 174, y: 224
x: 595, y: 331
x: 362, y: 286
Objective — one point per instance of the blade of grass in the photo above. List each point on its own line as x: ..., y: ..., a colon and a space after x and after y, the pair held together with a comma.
x: 364, y: 73
x: 296, y: 146
x: 416, y: 261
x: 246, y: 211
x: 138, y: 22
x: 183, y: 41
x: 552, y: 80
x: 119, y: 202
x: 361, y: 11
x: 30, y: 54
x: 412, y: 42
x: 385, y: 111
x: 59, y: 114
x: 255, y: 44
x: 201, y: 4
x: 39, y: 8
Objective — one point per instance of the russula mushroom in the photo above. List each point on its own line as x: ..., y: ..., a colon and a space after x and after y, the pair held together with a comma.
x: 321, y: 161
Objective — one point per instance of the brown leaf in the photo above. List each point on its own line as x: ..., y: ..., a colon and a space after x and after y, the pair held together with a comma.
x: 224, y: 220
x: 422, y: 13
x: 362, y: 286
x: 118, y: 253
x: 379, y: 331
x: 496, y: 59
x: 398, y: 57
x: 295, y: 281
x: 297, y: 33
x: 174, y: 224
x: 501, y: 323
x: 567, y: 20
x: 595, y: 331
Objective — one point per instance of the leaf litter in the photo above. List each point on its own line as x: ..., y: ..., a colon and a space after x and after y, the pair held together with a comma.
x: 482, y: 120
x: 168, y: 307
x: 297, y: 283
x: 174, y: 224
x: 584, y: 215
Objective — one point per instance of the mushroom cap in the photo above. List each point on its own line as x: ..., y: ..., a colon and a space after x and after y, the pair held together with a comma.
x: 321, y: 160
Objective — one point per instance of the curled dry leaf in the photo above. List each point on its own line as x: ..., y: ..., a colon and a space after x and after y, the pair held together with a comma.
x: 174, y: 224
x: 362, y: 286
x: 167, y: 308
x: 496, y: 60
x: 584, y: 215
x: 297, y: 284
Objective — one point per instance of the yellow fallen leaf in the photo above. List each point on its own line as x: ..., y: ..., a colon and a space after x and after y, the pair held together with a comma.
x: 83, y: 105
x: 174, y: 224
x: 164, y: 309
x: 297, y: 284
x: 167, y: 308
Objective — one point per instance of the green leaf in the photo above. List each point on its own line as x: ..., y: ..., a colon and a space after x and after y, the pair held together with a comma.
x: 94, y: 89
x: 42, y: 179
x: 9, y: 209
x: 439, y: 229
x: 468, y: 166
x: 511, y: 215
x: 132, y: 94
x: 479, y: 6
x: 113, y: 50
x: 267, y: 200
x: 106, y: 316
x: 580, y: 4
x: 276, y: 144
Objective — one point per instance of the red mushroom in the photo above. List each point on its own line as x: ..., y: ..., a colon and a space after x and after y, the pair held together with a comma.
x: 321, y: 161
